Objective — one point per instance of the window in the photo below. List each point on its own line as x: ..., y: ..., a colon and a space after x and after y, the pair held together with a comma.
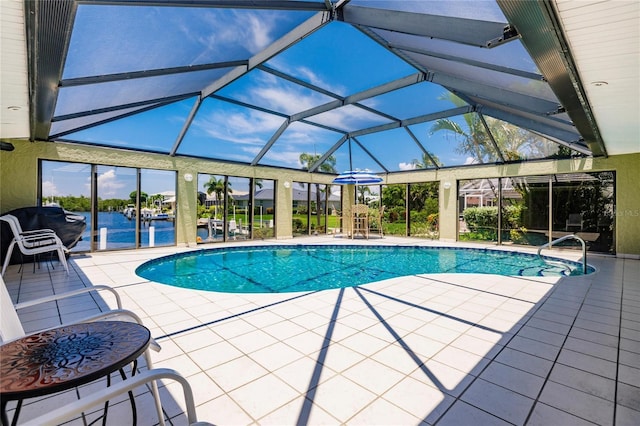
x: 264, y: 202
x: 301, y: 211
x: 423, y: 209
x: 535, y: 210
x: 68, y: 185
x: 121, y: 218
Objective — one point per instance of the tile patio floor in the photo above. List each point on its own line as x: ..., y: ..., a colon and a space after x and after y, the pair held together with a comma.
x: 441, y: 349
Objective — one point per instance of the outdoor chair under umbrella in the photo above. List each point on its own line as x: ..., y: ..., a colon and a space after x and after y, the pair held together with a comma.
x: 359, y: 220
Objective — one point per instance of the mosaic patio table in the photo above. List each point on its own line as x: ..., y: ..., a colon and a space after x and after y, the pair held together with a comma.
x: 66, y: 357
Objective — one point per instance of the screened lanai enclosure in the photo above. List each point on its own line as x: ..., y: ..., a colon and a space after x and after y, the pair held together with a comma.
x: 321, y: 86
x: 445, y: 83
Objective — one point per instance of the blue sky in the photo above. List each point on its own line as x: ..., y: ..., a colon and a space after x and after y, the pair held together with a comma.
x: 337, y: 58
x: 63, y: 179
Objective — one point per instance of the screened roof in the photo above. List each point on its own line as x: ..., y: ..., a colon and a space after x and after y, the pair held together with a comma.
x: 324, y: 86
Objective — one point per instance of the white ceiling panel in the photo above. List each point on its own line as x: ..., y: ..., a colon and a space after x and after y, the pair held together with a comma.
x: 604, y: 39
x: 14, y: 102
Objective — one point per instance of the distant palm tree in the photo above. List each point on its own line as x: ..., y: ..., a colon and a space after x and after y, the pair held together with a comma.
x: 363, y: 190
x: 155, y: 200
x: 427, y: 160
x: 217, y: 187
x: 328, y: 166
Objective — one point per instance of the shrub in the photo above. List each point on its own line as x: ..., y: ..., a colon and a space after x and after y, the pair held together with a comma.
x: 418, y: 216
x: 432, y: 221
x: 396, y: 213
x: 478, y: 218
x: 297, y: 224
x: 481, y: 235
x: 512, y: 216
x: 262, y: 233
x: 518, y: 236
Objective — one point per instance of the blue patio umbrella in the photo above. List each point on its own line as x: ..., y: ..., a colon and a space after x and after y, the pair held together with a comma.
x: 357, y: 177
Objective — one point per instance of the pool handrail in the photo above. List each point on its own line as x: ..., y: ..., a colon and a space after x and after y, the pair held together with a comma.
x: 568, y: 237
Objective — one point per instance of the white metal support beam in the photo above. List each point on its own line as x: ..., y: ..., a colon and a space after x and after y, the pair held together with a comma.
x: 467, y: 31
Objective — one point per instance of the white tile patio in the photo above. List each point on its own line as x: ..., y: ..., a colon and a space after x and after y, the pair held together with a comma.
x: 441, y: 349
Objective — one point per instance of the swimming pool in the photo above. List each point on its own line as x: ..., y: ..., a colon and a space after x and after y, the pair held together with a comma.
x: 291, y: 268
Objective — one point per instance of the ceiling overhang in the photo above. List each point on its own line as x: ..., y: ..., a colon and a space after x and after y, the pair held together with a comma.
x: 538, y: 23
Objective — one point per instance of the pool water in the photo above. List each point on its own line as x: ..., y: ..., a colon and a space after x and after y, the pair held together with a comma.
x: 291, y: 268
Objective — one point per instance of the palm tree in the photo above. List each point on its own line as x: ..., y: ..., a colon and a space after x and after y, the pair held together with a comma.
x: 217, y: 187
x: 363, y: 190
x: 427, y: 160
x: 156, y: 200
x: 511, y: 140
x: 473, y: 139
x: 328, y: 166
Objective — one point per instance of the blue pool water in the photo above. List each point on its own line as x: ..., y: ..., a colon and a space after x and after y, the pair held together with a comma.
x: 290, y: 268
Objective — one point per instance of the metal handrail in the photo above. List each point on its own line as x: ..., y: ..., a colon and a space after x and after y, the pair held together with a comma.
x: 569, y: 237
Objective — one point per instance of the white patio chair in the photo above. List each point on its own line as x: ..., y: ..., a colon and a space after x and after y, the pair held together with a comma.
x: 233, y: 229
x: 11, y: 328
x: 70, y: 411
x: 33, y: 242
x: 574, y: 221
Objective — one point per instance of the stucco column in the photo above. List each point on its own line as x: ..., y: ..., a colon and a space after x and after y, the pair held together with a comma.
x: 284, y: 209
x: 448, y: 215
x: 187, y: 209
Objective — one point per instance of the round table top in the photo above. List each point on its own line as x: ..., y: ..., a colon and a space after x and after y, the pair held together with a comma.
x: 69, y: 356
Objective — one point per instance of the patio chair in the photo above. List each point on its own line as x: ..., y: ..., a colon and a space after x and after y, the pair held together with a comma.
x: 574, y: 221
x: 74, y: 409
x: 34, y: 242
x: 11, y: 328
x: 233, y: 229
x: 377, y: 221
x: 360, y: 220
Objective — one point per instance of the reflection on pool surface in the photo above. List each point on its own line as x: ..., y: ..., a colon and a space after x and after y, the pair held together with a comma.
x: 290, y: 268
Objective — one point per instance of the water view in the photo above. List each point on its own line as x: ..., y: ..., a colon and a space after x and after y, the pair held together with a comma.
x: 120, y: 232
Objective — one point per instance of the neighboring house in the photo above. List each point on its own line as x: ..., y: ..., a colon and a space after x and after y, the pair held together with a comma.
x: 484, y: 192
x: 265, y: 198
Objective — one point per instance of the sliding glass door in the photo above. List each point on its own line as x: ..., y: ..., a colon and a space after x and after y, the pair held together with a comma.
x: 123, y: 207
x: 534, y: 210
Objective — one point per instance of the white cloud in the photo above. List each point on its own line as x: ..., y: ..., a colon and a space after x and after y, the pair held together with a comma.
x: 242, y: 28
x: 257, y: 30
x: 407, y: 166
x: 313, y: 78
x: 308, y: 75
x: 239, y: 127
x: 288, y: 101
x: 49, y: 189
x: 348, y: 117
x: 287, y: 157
x: 108, y: 184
